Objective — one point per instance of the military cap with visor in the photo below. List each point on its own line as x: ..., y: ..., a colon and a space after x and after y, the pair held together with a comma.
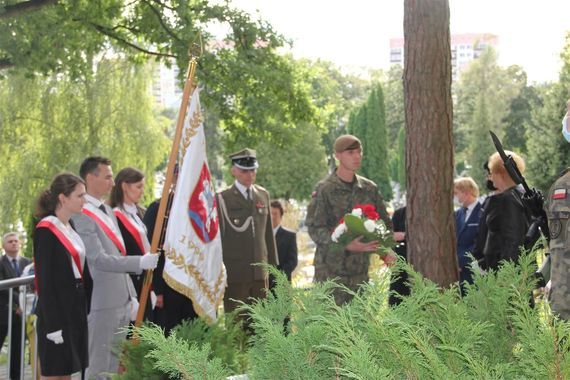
x: 245, y: 159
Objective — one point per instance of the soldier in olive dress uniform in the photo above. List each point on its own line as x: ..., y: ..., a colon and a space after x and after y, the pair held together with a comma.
x: 334, y: 197
x: 247, y: 235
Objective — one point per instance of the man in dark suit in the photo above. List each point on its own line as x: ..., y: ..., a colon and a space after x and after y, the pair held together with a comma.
x: 466, y: 224
x: 247, y: 236
x: 11, y: 266
x: 399, y: 283
x: 285, y: 239
x: 171, y: 306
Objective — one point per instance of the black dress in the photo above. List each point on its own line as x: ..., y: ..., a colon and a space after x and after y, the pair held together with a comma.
x: 62, y: 305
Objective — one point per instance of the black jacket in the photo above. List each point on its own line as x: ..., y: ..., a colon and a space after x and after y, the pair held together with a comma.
x: 286, y: 241
x: 507, y: 222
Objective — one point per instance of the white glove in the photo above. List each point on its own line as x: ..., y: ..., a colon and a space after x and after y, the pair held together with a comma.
x: 55, y: 337
x: 149, y: 261
x: 152, y: 299
x: 134, y: 308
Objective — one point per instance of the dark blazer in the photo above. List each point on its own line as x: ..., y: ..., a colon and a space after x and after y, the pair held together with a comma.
x: 399, y: 280
x: 7, y: 272
x: 133, y: 249
x: 467, y: 235
x: 286, y: 241
x: 482, y: 231
x: 507, y: 224
x: 62, y: 305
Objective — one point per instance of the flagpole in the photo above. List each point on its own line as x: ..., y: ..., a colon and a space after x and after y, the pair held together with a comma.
x: 188, y: 88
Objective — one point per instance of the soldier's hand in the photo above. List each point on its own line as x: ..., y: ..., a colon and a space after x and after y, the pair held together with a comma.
x: 357, y: 245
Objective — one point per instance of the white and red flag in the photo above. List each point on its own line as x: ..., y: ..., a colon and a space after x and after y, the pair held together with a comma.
x: 193, y: 248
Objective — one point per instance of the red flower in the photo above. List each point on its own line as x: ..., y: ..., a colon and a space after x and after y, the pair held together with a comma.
x: 369, y: 211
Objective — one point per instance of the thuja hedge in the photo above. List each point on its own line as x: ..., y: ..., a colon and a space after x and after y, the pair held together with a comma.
x: 490, y: 333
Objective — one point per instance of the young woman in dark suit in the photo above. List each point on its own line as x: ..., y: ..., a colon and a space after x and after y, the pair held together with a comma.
x: 60, y: 268
x: 125, y: 196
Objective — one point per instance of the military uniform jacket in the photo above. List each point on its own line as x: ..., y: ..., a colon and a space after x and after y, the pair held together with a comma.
x: 558, y: 212
x: 247, y: 234
x: 332, y: 199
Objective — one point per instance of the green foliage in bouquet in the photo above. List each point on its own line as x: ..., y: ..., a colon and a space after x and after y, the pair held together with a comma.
x: 363, y: 221
x: 193, y: 349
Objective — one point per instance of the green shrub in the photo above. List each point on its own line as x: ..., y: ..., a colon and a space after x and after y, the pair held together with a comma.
x: 491, y: 333
x: 194, y: 350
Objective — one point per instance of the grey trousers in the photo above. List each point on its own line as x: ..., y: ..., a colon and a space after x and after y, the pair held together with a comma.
x: 106, y: 334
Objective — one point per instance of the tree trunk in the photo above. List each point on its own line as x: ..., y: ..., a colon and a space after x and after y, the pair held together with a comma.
x: 429, y: 140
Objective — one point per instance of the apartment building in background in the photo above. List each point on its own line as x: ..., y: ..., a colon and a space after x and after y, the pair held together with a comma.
x: 464, y: 49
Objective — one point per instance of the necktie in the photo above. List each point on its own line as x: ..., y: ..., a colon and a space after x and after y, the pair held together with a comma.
x: 248, y: 194
x: 102, y: 208
x: 15, y: 266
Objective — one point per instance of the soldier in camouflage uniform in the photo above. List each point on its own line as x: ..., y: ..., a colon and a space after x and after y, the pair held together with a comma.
x: 334, y: 197
x: 558, y: 212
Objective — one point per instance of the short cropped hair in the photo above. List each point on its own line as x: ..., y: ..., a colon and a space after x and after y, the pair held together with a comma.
x: 91, y: 165
x: 9, y: 234
x: 496, y: 164
x: 466, y: 185
x: 279, y: 206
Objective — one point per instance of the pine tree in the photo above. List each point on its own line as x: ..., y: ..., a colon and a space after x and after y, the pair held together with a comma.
x: 480, y: 146
x: 375, y: 160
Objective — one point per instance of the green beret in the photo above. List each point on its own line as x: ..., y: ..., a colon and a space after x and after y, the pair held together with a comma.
x: 346, y: 142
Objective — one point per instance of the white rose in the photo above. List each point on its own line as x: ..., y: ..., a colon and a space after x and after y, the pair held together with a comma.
x: 338, y: 231
x: 357, y: 212
x: 370, y: 225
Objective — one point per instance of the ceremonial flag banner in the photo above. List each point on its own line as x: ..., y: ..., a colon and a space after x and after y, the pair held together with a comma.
x: 193, y: 248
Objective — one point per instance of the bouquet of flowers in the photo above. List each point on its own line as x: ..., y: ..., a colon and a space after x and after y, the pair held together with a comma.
x: 364, y: 221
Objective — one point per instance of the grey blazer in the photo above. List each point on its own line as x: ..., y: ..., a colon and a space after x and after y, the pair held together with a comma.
x: 112, y: 286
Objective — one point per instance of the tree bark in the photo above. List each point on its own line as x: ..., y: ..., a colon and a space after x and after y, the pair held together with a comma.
x: 429, y: 141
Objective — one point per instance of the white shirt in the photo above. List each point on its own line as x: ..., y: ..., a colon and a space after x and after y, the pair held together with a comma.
x: 242, y: 189
x: 470, y: 210
x: 91, y: 199
x: 275, y: 229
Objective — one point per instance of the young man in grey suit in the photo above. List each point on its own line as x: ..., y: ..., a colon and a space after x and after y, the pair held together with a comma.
x: 113, y: 301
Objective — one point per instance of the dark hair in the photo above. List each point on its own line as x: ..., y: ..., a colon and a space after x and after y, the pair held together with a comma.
x: 126, y: 175
x: 91, y: 165
x: 486, y: 167
x: 278, y: 205
x: 48, y: 200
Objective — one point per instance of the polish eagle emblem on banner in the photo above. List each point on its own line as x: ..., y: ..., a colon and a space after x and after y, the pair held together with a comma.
x: 202, y: 207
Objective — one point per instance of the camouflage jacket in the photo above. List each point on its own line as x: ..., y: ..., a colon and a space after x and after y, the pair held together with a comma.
x: 558, y: 212
x: 331, y: 200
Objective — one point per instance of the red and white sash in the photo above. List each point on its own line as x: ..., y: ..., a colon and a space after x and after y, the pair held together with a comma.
x: 137, y: 231
x: 69, y: 239
x: 107, y: 225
